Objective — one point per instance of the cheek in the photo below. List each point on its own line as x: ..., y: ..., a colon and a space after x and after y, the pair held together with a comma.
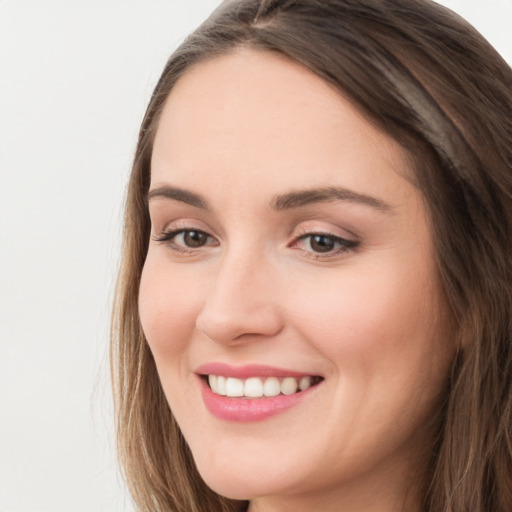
x: 168, y: 303
x: 377, y: 323
x: 386, y: 343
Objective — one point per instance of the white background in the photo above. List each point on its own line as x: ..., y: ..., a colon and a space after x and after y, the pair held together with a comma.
x: 75, y: 78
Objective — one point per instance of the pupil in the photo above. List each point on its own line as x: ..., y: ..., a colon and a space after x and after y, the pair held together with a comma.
x: 194, y: 238
x: 322, y: 243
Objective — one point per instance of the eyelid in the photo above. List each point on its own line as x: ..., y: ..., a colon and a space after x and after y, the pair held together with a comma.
x: 173, y: 229
x: 169, y: 239
x: 341, y: 243
x: 341, y: 247
x: 185, y: 224
x: 346, y: 243
x: 322, y: 228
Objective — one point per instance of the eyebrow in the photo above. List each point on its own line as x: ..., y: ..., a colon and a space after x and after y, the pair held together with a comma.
x: 302, y: 198
x: 288, y: 201
x: 179, y: 194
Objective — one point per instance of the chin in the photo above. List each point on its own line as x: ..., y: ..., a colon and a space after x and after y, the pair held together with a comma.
x: 246, y: 484
x: 235, y: 488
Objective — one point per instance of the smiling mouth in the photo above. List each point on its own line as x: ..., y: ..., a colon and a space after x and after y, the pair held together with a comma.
x: 259, y: 387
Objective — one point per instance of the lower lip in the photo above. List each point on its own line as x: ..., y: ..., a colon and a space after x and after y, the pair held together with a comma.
x: 245, y: 410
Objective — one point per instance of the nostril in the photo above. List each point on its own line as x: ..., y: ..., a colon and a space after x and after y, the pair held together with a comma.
x: 235, y: 324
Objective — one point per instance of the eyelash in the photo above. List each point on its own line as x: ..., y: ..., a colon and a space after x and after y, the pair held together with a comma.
x: 167, y: 237
x: 343, y: 245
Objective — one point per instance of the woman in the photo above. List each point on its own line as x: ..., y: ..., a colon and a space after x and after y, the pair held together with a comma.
x: 313, y: 310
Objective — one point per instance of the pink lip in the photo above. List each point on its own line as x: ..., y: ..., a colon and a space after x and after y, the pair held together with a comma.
x: 244, y: 372
x: 248, y: 409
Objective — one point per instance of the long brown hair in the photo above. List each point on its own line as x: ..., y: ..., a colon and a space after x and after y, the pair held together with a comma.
x: 427, y: 78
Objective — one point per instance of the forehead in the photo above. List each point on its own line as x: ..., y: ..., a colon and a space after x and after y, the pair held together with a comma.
x: 254, y: 114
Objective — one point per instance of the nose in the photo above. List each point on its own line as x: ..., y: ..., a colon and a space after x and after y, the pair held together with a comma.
x: 241, y: 304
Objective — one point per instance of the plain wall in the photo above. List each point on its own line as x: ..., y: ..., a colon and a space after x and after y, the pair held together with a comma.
x: 75, y: 78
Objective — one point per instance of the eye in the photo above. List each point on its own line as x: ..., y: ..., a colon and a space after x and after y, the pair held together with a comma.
x: 323, y: 244
x: 186, y: 240
x: 193, y: 238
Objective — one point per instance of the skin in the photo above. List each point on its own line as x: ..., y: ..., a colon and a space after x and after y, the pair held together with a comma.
x: 239, y: 130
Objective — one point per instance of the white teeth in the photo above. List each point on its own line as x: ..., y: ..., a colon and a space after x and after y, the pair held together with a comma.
x: 271, y: 387
x: 234, y: 387
x: 305, y: 383
x: 289, y: 386
x: 221, y: 385
x: 253, y: 387
x: 256, y: 387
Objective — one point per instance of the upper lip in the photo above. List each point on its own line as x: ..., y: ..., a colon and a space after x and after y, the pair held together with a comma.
x: 247, y: 371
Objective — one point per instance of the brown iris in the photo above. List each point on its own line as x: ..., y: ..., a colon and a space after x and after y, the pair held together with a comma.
x: 194, y: 238
x: 322, y: 243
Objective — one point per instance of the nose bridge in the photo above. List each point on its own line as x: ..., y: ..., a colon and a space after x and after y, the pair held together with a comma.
x: 241, y: 299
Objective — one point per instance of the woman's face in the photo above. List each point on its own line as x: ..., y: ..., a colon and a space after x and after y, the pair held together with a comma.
x: 288, y: 249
